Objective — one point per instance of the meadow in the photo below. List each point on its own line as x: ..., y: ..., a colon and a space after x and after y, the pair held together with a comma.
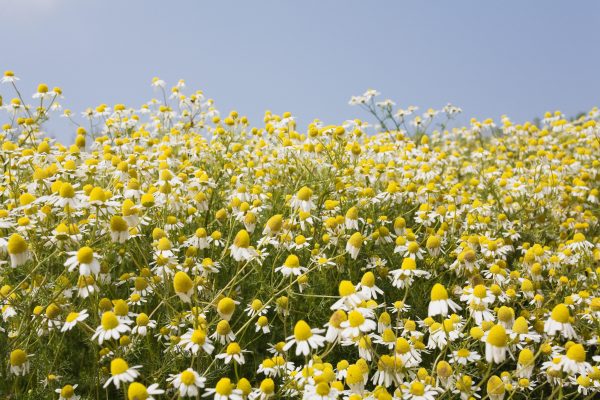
x: 172, y: 251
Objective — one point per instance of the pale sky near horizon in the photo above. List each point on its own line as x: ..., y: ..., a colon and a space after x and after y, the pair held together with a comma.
x: 519, y: 58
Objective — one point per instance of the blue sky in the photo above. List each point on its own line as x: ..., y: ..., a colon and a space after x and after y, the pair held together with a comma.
x: 519, y: 58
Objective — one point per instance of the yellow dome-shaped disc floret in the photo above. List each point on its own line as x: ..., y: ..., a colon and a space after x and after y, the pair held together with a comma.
x: 560, y: 313
x: 302, y: 330
x: 118, y: 366
x: 85, y: 255
x: 137, y: 391
x: 242, y: 239
x: 109, y: 320
x: 16, y: 244
x: 182, y: 283
x: 497, y: 336
x: 439, y: 292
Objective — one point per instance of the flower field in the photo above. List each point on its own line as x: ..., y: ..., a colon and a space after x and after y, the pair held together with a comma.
x: 172, y: 251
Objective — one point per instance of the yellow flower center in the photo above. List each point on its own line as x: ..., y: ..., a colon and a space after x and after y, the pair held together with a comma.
x: 417, y: 388
x: 560, y: 313
x: 18, y: 357
x: 142, y: 319
x: 433, y: 242
x: 463, y: 353
x: 439, y: 292
x: 224, y: 387
x: 118, y: 224
x: 402, y: 346
x: 256, y: 304
x: 304, y: 194
x: 67, y: 391
x: 109, y: 320
x: 85, y: 255
x: 275, y: 223
x: 72, y: 316
x: 413, y: 247
x: 356, y: 240
x: 368, y: 279
x: 526, y: 357
x: 497, y: 336
x: 137, y: 391
x: 495, y: 385
x: 346, y: 288
x: 226, y: 306
x: 164, y: 244
x: 182, y: 283
x: 97, y: 194
x: 323, y: 389
x: 118, y: 366
x: 292, y: 261
x: 52, y: 311
x: 506, y: 314
x: 302, y: 331
x: 267, y: 386
x: 233, y: 348
x: 480, y: 291
x: 576, y: 353
x: 388, y: 335
x: 355, y: 318
x: 223, y: 327
x: 121, y: 308
x: 198, y: 337
x: 66, y: 190
x: 188, y: 378
x: 16, y: 244
x: 242, y: 239
x: 409, y: 264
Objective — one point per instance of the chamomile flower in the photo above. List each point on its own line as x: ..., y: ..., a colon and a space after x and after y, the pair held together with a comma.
x: 18, y: 249
x: 256, y: 307
x: 367, y: 286
x: 496, y: 341
x: 464, y: 356
x: 85, y: 259
x: 233, y: 352
x: 320, y: 391
x: 357, y: 324
x: 305, y: 339
x: 111, y: 327
x: 19, y: 362
x: 194, y: 340
x: 574, y: 360
x: 354, y: 244
x: 302, y: 200
x: 137, y: 391
x: 67, y: 392
x: 183, y: 285
x: 349, y: 297
x: 121, y: 373
x: 404, y: 276
x: 420, y: 391
x: 187, y: 383
x: 143, y: 324
x: 9, y: 77
x: 291, y: 266
x: 440, y: 303
x: 224, y: 390
x: 73, y: 318
x: 241, y: 249
x: 558, y: 322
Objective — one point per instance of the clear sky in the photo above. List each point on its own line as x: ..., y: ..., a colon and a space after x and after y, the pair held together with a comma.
x: 519, y: 58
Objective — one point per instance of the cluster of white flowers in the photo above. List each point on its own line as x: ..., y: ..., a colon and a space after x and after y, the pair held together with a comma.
x: 173, y: 252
